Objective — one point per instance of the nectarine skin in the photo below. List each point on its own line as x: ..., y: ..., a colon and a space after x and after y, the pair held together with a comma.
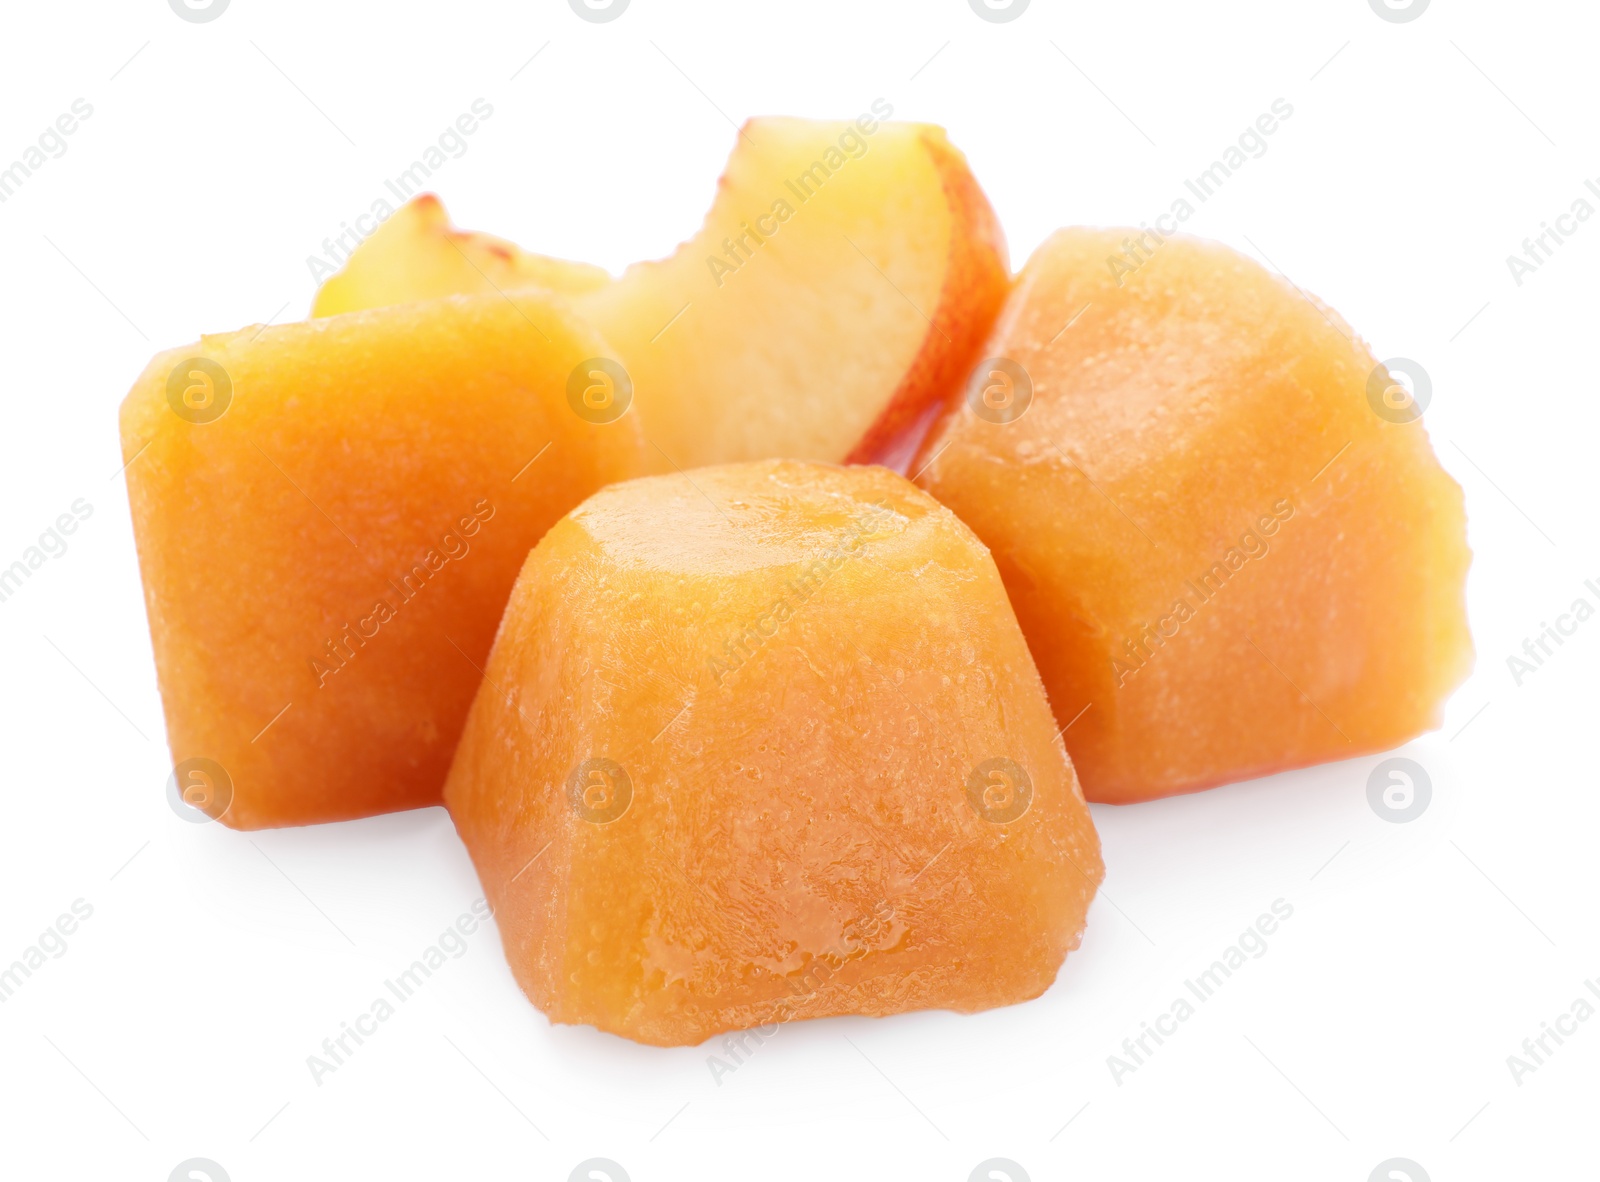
x: 330, y: 516
x: 1226, y: 561
x: 763, y: 742
x: 977, y: 280
x: 842, y: 283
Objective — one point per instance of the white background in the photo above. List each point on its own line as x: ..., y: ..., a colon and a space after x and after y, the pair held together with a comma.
x: 1420, y: 955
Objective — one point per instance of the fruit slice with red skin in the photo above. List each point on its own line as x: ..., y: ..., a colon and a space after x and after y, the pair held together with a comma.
x: 330, y: 516
x: 1229, y: 550
x: 417, y: 255
x: 841, y: 284
x: 762, y: 742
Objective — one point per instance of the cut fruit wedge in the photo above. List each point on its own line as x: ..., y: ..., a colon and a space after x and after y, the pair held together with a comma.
x: 840, y: 285
x: 417, y: 255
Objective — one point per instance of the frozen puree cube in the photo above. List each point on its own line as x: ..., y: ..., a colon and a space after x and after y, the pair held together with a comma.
x: 1226, y: 536
x: 330, y: 517
x: 763, y: 742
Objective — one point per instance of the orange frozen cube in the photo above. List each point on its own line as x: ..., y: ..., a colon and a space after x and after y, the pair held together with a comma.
x: 330, y: 517
x: 1226, y: 537
x: 763, y: 742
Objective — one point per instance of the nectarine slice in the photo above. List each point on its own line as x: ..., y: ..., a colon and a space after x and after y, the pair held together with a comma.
x: 330, y: 516
x: 417, y: 255
x: 762, y: 742
x: 841, y: 283
x: 1227, y: 557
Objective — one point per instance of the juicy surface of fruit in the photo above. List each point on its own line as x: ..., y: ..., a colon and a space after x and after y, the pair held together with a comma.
x: 330, y: 517
x: 729, y: 759
x: 417, y: 255
x: 1226, y: 560
x: 840, y: 285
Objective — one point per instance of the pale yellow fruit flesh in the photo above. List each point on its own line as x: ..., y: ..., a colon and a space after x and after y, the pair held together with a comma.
x: 841, y: 283
x: 417, y: 255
